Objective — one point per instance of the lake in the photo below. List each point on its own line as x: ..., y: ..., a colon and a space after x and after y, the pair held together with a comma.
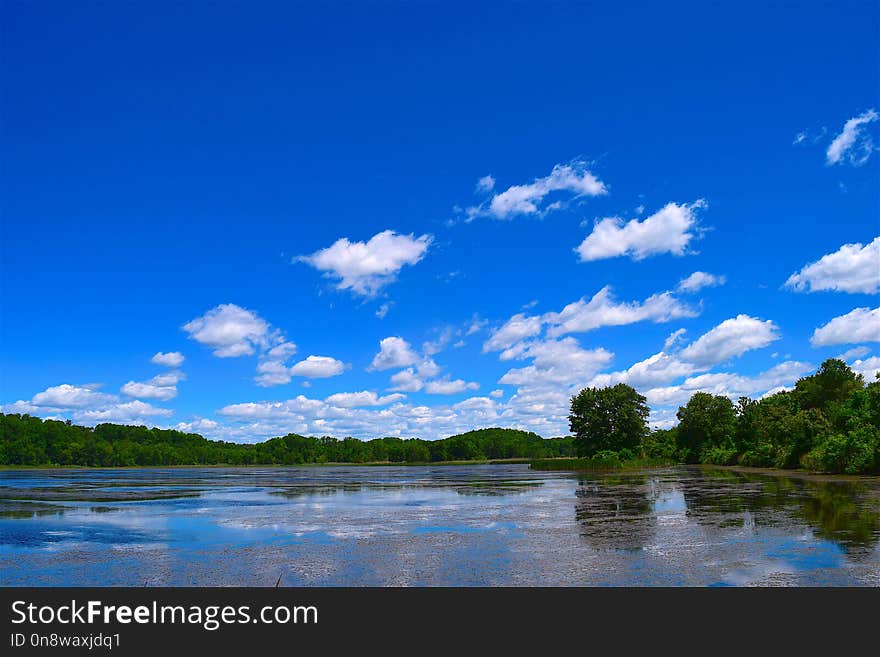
x: 494, y: 525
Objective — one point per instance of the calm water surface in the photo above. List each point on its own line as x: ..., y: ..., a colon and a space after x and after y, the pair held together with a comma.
x: 449, y: 525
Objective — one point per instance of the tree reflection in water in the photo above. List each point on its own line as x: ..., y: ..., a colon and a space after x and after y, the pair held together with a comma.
x: 622, y: 511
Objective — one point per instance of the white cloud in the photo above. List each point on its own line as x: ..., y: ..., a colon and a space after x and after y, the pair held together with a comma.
x: 603, y: 310
x: 732, y: 337
x: 852, y: 268
x: 133, y: 412
x: 383, y: 310
x: 366, y: 267
x: 728, y: 384
x: 855, y: 352
x: 229, y: 330
x: 445, y: 386
x: 496, y: 394
x: 557, y: 362
x: 698, y: 280
x: 362, y: 398
x: 170, y: 359
x: 486, y: 184
x: 67, y: 396
x: 475, y: 325
x: 272, y: 373
x: 161, y: 387
x: 514, y: 330
x: 652, y: 371
x: 858, y: 325
x: 272, y: 370
x: 674, y: 338
x: 853, y: 145
x: 868, y: 368
x: 407, y: 381
x: 527, y: 199
x: 669, y: 230
x: 281, y: 351
x: 428, y: 368
x: 432, y: 347
x: 318, y: 367
x: 88, y: 407
x: 394, y: 353
x: 200, y: 425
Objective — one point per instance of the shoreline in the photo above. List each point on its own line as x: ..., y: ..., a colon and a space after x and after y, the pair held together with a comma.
x: 329, y: 464
x: 635, y: 468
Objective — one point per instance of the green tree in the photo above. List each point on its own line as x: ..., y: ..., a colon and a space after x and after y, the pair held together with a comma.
x: 603, y: 419
x: 707, y: 422
x: 833, y: 383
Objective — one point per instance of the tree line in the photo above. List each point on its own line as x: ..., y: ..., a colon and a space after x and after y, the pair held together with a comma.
x: 829, y: 422
x: 28, y: 440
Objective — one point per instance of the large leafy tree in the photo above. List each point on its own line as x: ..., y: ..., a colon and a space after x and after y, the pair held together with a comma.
x: 611, y: 418
x: 833, y: 383
x: 706, y: 421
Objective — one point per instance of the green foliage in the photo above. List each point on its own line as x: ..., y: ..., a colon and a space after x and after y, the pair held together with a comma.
x: 830, y: 422
x: 661, y: 444
x: 27, y: 440
x: 612, y: 418
x: 707, y: 423
x: 855, y: 452
x: 833, y: 383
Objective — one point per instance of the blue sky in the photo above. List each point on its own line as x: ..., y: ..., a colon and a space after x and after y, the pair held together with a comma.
x: 383, y: 219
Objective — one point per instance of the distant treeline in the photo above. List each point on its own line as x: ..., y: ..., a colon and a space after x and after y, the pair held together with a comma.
x: 27, y: 440
x: 829, y: 422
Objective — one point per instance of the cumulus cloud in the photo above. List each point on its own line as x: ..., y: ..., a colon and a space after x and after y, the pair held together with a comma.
x: 229, y: 330
x: 85, y: 405
x: 366, y: 267
x: 515, y: 329
x: 394, y: 353
x: 603, y: 310
x: 852, y: 268
x: 161, y: 387
x: 170, y: 359
x: 728, y: 384
x: 234, y: 331
x: 858, y: 325
x: 362, y: 398
x: 529, y: 199
x: 125, y: 413
x: 557, y: 362
x: 318, y: 367
x: 445, y: 386
x: 201, y: 426
x: 654, y: 370
x: 868, y: 368
x: 67, y: 396
x: 732, y: 337
x: 670, y: 230
x: 854, y: 144
x: 698, y: 280
x: 407, y: 381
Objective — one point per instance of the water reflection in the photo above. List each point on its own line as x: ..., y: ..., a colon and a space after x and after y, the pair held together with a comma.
x: 846, y: 512
x: 462, y: 525
x: 623, y: 512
